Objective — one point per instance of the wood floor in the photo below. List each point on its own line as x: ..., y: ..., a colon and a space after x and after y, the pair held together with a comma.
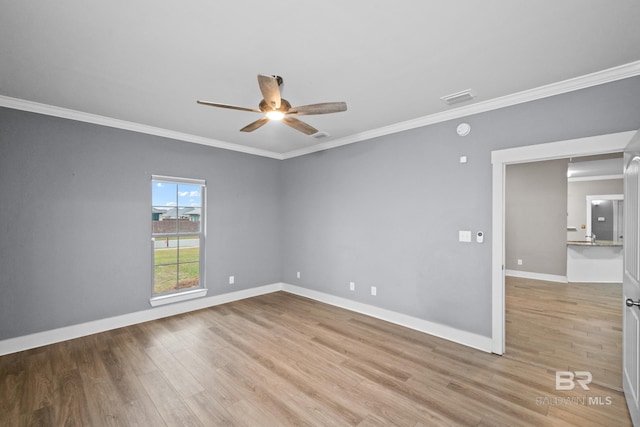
x: 281, y: 359
x: 566, y: 326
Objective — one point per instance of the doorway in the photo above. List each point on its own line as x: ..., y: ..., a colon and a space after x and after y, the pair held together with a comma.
x: 549, y: 322
x: 602, y: 144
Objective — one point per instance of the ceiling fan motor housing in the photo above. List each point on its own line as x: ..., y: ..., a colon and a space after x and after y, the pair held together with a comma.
x: 284, y: 106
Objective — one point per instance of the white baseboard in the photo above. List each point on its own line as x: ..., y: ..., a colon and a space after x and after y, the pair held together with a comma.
x: 39, y: 339
x: 452, y: 334
x: 536, y: 276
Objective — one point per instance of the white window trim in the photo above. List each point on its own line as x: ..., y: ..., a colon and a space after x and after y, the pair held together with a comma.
x: 177, y: 297
x: 179, y: 180
x: 158, y: 300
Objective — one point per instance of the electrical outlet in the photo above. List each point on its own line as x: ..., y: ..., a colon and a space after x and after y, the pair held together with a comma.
x: 298, y: 274
x: 374, y: 291
x: 352, y: 286
x: 232, y: 280
x: 519, y: 262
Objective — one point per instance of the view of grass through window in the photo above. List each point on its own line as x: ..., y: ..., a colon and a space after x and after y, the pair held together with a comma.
x: 176, y: 216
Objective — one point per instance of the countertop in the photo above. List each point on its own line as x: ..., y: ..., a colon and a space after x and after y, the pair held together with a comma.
x: 597, y: 243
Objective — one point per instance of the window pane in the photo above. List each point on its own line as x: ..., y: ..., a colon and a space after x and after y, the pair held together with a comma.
x: 164, y: 278
x: 163, y: 255
x: 190, y: 195
x: 188, y: 275
x: 189, y: 249
x: 164, y: 219
x: 164, y: 194
x: 189, y: 221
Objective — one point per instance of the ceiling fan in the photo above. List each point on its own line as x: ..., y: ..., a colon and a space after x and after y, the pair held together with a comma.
x: 275, y: 107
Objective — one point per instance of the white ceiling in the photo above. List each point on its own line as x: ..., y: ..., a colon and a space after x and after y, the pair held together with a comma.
x: 147, y: 62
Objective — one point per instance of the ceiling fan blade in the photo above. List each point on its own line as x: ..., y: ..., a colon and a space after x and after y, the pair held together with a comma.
x: 255, y: 125
x: 300, y: 125
x: 323, y: 108
x: 231, y: 107
x: 270, y: 90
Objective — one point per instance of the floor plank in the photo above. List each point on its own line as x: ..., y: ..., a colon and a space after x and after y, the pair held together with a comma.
x: 566, y: 326
x: 281, y: 359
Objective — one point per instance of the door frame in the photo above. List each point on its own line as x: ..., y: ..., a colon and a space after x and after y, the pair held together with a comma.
x: 593, y: 145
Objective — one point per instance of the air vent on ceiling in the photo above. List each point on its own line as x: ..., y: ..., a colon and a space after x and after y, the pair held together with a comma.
x: 320, y: 135
x: 458, y: 97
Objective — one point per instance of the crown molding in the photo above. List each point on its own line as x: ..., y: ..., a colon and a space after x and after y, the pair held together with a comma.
x: 594, y: 79
x: 631, y: 69
x: 65, y: 113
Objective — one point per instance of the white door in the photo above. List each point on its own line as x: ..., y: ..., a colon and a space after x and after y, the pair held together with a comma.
x: 631, y: 284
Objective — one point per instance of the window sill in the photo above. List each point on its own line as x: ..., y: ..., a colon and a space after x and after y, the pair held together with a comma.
x: 182, y: 296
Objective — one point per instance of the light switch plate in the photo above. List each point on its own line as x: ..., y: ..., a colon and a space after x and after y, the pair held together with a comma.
x: 464, y: 236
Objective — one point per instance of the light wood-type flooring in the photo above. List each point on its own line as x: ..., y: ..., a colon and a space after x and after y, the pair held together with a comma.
x: 566, y: 326
x: 278, y: 360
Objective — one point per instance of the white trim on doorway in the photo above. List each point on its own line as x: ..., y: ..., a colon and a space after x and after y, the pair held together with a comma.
x: 601, y: 144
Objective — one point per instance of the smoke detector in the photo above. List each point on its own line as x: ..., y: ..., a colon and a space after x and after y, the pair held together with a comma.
x: 463, y: 129
x: 458, y: 97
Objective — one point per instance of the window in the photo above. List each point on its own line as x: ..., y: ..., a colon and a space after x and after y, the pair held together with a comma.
x: 177, y: 218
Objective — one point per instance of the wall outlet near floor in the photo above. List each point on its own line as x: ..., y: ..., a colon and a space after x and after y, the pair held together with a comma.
x: 352, y: 286
x: 232, y: 280
x: 298, y: 274
x: 519, y: 262
x: 374, y: 291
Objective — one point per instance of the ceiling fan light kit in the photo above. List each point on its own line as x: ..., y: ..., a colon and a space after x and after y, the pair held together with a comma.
x: 275, y: 115
x: 274, y: 107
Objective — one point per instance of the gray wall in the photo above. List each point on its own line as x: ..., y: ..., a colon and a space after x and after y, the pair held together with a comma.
x: 536, y: 217
x: 75, y: 219
x: 386, y: 212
